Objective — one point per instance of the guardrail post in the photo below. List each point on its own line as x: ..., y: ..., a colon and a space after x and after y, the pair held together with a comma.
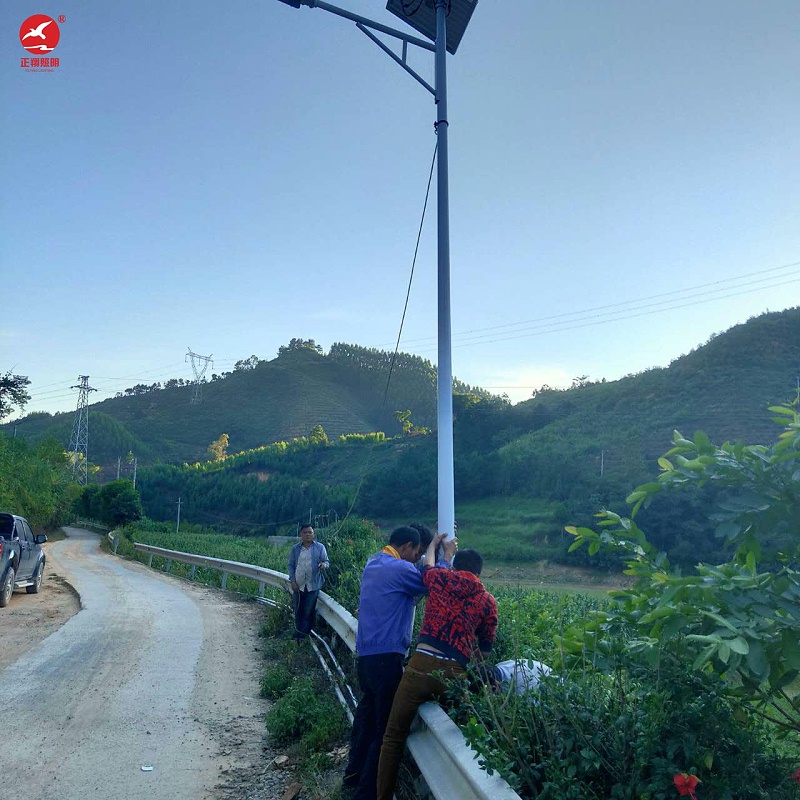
x: 169, y: 565
x: 261, y: 586
x: 224, y: 580
x: 116, y: 544
x: 193, y: 572
x: 150, y: 560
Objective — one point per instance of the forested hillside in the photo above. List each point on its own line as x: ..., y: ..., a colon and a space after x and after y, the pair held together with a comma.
x: 574, y: 450
x: 257, y: 403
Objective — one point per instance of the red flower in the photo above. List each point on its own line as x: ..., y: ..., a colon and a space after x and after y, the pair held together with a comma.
x: 796, y: 775
x: 685, y: 784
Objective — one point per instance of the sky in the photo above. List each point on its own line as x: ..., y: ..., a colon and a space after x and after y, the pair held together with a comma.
x: 223, y: 177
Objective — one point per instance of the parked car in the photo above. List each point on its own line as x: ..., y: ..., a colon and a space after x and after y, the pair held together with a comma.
x: 21, y: 557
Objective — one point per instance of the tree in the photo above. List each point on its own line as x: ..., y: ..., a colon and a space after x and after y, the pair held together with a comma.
x: 87, y: 502
x: 317, y: 435
x: 245, y: 364
x: 13, y: 393
x: 404, y: 418
x: 114, y: 504
x: 120, y: 503
x: 219, y: 447
x: 299, y: 344
x: 580, y: 381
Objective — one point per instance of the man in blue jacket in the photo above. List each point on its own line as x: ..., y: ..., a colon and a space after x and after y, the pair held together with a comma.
x: 389, y: 586
x: 307, y: 560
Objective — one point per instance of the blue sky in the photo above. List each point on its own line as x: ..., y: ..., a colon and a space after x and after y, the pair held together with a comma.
x: 623, y: 182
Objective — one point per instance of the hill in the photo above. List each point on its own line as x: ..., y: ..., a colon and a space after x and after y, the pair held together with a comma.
x: 257, y: 403
x: 723, y: 388
x: 564, y: 453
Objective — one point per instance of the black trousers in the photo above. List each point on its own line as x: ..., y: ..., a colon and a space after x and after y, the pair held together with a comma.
x: 305, y: 606
x: 378, y: 676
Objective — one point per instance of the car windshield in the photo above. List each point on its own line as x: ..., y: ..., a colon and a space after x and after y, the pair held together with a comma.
x: 6, y: 526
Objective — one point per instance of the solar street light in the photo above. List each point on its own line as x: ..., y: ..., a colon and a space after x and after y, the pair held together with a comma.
x: 421, y: 15
x: 444, y: 23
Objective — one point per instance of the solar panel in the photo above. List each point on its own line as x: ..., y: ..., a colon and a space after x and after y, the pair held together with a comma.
x: 421, y: 15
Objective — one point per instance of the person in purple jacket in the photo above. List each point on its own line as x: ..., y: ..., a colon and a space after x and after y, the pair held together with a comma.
x: 389, y: 586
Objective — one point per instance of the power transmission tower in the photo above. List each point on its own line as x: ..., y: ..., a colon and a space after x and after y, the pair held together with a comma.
x: 199, y: 367
x: 79, y: 441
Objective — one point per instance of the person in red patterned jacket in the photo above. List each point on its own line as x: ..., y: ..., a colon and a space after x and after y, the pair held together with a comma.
x: 458, y: 612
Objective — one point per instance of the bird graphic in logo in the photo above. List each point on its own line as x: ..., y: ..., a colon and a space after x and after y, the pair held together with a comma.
x: 41, y: 32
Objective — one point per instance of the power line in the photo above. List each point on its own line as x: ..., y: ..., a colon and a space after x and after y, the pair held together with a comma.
x: 566, y: 326
x: 411, y: 276
x: 636, y: 302
x: 159, y: 372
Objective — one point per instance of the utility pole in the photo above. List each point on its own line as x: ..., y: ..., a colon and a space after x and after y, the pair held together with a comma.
x: 119, y: 464
x: 443, y: 22
x: 199, y: 366
x: 178, y: 526
x: 602, y: 462
x: 79, y: 441
x: 135, y: 464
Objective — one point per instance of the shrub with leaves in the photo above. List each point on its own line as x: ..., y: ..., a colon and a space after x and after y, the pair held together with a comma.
x: 306, y: 713
x: 589, y: 735
x: 740, y: 618
x: 275, y: 681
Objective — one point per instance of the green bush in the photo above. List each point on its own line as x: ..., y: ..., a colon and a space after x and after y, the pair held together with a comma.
x: 624, y: 736
x: 305, y: 713
x: 530, y: 621
x: 276, y: 680
x: 114, y: 504
x: 276, y: 620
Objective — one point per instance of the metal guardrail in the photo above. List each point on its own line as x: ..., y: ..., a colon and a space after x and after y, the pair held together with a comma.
x: 448, y: 764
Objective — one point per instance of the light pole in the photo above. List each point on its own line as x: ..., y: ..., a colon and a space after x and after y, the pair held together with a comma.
x: 430, y: 17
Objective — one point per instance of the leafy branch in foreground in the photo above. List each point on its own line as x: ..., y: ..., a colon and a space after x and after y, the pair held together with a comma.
x: 741, y: 618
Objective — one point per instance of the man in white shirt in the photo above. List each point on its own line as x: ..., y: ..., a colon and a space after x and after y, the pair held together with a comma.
x: 307, y: 561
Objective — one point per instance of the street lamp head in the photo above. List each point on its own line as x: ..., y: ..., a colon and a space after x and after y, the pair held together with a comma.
x: 421, y: 15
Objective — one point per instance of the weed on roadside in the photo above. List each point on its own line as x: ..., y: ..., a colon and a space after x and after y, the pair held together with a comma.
x: 276, y: 620
x: 276, y: 681
x: 306, y: 713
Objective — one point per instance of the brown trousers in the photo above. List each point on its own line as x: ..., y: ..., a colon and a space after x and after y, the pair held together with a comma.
x: 417, y: 687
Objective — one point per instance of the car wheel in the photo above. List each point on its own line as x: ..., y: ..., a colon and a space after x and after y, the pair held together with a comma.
x: 7, y: 589
x: 37, y: 580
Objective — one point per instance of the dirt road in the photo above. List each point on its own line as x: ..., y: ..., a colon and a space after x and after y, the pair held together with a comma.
x: 152, y: 671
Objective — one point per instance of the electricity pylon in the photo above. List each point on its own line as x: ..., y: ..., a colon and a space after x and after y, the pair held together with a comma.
x: 79, y: 441
x: 199, y: 367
